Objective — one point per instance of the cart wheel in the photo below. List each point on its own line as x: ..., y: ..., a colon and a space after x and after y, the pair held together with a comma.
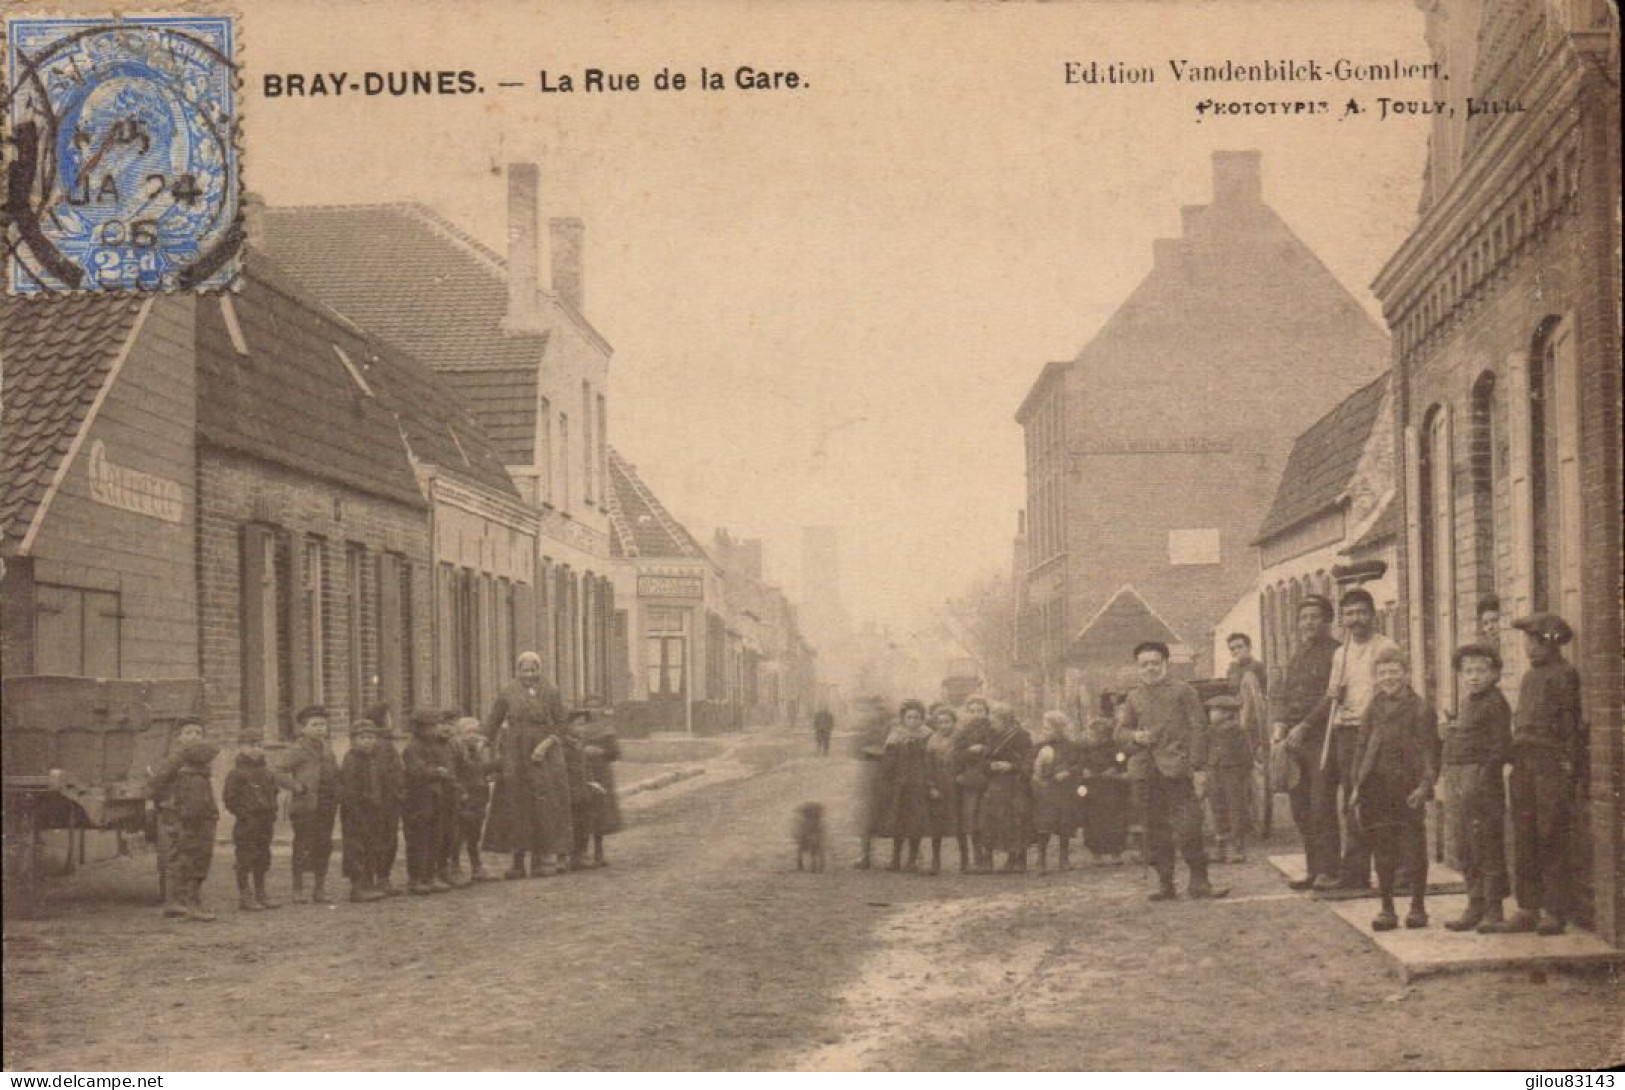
x: 24, y: 861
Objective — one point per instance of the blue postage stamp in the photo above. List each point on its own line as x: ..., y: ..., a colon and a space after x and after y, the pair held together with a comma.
x: 120, y: 153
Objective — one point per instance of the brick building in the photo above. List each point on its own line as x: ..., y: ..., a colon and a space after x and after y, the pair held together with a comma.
x: 679, y: 664
x: 524, y: 358
x: 1504, y: 309
x: 1153, y: 455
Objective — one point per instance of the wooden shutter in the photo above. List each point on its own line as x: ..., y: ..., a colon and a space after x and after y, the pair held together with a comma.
x: 1415, y: 602
x: 298, y: 624
x: 1565, y: 426
x: 256, y: 608
x: 1520, y: 488
x: 1441, y: 463
x: 390, y: 637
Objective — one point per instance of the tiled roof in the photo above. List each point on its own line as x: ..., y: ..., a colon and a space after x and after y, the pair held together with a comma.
x: 640, y: 525
x: 1122, y: 622
x: 55, y: 354
x: 411, y: 276
x: 290, y: 400
x: 1323, y: 460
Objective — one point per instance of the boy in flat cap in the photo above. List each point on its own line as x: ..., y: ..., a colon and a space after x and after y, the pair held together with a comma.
x: 429, y: 814
x: 1477, y: 747
x: 363, y: 790
x: 1230, y: 766
x: 161, y: 790
x: 1165, y: 719
x: 1548, y: 755
x: 314, y: 808
x: 382, y: 716
x: 250, y: 797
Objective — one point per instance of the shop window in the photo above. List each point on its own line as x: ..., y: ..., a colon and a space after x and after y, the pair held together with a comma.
x: 666, y: 652
x: 76, y: 631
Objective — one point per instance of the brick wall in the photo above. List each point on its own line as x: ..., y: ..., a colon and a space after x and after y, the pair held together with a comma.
x: 234, y: 491
x: 1561, y: 266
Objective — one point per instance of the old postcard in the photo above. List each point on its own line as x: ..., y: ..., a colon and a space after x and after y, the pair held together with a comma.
x: 831, y: 536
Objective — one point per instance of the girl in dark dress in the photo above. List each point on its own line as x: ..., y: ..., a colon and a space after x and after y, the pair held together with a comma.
x: 941, y: 767
x: 1006, y: 816
x: 1105, y: 809
x: 1057, y: 768
x: 906, y: 787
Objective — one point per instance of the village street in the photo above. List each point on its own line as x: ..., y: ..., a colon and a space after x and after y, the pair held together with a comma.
x: 702, y: 948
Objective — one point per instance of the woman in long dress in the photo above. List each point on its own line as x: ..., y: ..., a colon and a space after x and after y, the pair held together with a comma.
x: 905, y: 787
x: 530, y: 811
x: 1006, y: 815
x: 942, y: 765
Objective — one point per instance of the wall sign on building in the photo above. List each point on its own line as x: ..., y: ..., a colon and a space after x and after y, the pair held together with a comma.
x: 670, y: 586
x: 132, y: 490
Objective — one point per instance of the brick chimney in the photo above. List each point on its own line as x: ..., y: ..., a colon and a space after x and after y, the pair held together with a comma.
x: 1237, y: 177
x: 524, y: 261
x: 568, y: 239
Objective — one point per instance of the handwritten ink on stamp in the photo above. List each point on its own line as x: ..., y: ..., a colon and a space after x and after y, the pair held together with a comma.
x: 123, y: 174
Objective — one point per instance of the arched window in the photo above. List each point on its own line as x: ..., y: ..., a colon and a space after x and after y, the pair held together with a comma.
x: 1554, y: 471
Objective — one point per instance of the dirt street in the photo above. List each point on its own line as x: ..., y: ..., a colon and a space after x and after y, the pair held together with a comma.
x: 701, y: 947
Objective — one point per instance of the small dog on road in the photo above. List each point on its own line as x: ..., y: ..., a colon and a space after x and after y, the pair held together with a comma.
x: 810, y: 837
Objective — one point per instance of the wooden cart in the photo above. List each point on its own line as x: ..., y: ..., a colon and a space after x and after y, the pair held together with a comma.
x: 75, y: 754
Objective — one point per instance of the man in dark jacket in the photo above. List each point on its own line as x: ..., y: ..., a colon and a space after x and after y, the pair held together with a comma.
x: 1297, y: 725
x: 362, y: 790
x: 1166, y: 719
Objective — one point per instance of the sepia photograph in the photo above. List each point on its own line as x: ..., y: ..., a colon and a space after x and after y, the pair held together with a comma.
x: 832, y: 535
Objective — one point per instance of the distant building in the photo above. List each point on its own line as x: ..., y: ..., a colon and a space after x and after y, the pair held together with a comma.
x: 1504, y: 308
x: 1152, y: 456
x: 1333, y: 524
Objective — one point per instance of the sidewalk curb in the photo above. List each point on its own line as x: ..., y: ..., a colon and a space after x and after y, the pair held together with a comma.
x: 665, y: 779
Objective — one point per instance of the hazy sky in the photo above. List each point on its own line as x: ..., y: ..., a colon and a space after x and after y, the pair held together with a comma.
x: 826, y: 304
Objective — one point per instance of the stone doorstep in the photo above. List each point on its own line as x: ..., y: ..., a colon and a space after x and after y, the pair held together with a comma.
x: 1442, y: 879
x: 1433, y: 950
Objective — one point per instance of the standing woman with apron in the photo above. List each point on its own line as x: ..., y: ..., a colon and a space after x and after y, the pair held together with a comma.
x: 530, y: 811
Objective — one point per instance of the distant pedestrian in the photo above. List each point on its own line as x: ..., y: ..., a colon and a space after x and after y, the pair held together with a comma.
x: 1006, y: 813
x: 1105, y: 810
x: 382, y: 716
x: 363, y: 807
x: 1057, y: 775
x: 196, y: 817
x: 530, y: 809
x: 1230, y: 766
x: 944, y: 805
x: 1298, y: 732
x: 430, y: 813
x: 314, y: 806
x: 1489, y: 621
x: 1548, y: 760
x: 905, y: 814
x: 1477, y: 748
x: 160, y: 789
x: 1391, y: 774
x: 823, y: 728
x: 250, y: 796
x: 1165, y: 719
x: 971, y: 743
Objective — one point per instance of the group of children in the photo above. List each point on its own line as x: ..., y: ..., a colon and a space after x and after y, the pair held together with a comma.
x: 436, y: 790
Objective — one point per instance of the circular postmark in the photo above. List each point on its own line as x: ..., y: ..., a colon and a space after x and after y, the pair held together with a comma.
x: 121, y: 169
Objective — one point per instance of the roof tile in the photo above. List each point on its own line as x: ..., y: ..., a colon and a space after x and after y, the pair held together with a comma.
x: 1323, y: 460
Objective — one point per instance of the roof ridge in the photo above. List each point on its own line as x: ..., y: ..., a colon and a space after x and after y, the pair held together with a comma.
x: 678, y: 532
x: 425, y: 213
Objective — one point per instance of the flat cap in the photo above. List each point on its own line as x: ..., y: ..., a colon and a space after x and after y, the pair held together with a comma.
x: 1224, y: 700
x: 425, y: 717
x: 363, y: 726
x: 1546, y: 625
x: 1477, y: 651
